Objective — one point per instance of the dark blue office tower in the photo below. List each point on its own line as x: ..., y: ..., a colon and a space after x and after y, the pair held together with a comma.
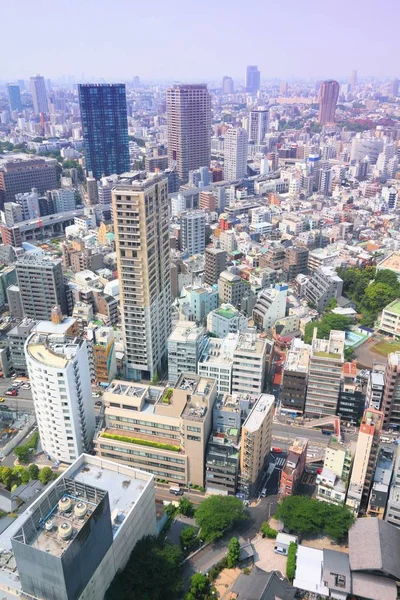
x: 105, y: 128
x: 14, y: 96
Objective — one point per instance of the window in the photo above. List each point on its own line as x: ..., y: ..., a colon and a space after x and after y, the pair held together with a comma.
x: 340, y: 580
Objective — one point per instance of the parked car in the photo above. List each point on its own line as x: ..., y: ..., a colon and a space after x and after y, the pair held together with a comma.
x: 98, y: 403
x: 26, y: 386
x: 276, y: 449
x: 11, y: 393
x: 1, y: 399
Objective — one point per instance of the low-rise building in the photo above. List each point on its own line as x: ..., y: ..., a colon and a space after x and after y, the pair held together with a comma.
x: 351, y: 403
x: 375, y: 388
x: 226, y: 319
x: 270, y: 306
x: 161, y: 430
x: 185, y: 346
x: 216, y: 361
x: 222, y: 462
x: 231, y: 288
x: 390, y: 319
x: 380, y: 486
x: 293, y: 469
x: 330, y: 488
x: 250, y: 363
x: 323, y: 286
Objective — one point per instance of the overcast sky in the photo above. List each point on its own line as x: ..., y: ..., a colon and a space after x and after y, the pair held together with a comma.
x: 182, y: 39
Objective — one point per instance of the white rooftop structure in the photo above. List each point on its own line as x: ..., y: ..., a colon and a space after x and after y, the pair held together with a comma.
x: 309, y: 571
x: 257, y: 415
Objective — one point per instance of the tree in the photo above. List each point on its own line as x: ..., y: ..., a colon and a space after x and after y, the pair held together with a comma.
x: 233, y: 553
x: 324, y: 326
x: 331, y: 305
x: 267, y: 531
x: 6, y: 476
x: 188, y: 538
x: 20, y: 474
x: 45, y: 475
x: 217, y: 513
x: 155, y: 379
x: 305, y: 516
x: 291, y: 561
x: 186, y: 507
x: 200, y: 588
x: 33, y: 471
x: 152, y: 573
x: 387, y: 276
x: 23, y: 453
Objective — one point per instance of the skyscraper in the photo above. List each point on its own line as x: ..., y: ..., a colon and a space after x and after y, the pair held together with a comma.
x: 258, y: 125
x: 328, y: 96
x: 142, y: 246
x: 227, y: 85
x: 189, y: 127
x: 14, y: 96
x: 39, y: 95
x: 252, y: 79
x: 235, y: 153
x: 394, y: 88
x: 105, y: 128
x: 58, y: 368
x: 353, y: 80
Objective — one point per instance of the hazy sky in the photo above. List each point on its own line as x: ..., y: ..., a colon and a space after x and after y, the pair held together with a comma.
x: 178, y: 39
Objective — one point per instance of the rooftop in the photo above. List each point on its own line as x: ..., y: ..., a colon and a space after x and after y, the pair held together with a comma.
x: 391, y: 262
x: 53, y: 350
x: 393, y: 307
x: 52, y: 522
x: 186, y: 331
x: 262, y: 407
x: 298, y: 357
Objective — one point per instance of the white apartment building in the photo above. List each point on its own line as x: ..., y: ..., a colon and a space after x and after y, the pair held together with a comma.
x: 143, y: 256
x: 235, y: 153
x: 227, y: 240
x: 29, y: 203
x: 217, y: 361
x: 58, y: 369
x: 63, y: 199
x: 270, y: 306
x: 250, y: 363
x: 258, y: 125
x: 226, y: 319
x: 325, y: 374
x: 261, y: 221
x: 321, y: 257
x: 390, y: 319
x: 193, y: 231
x: 185, y: 345
x: 375, y: 388
x: 393, y: 506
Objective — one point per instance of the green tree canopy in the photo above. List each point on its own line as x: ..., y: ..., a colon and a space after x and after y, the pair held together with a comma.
x: 45, y: 475
x: 33, y: 471
x: 303, y: 515
x: 217, y: 513
x: 186, y: 507
x: 324, y: 326
x: 152, y: 573
x: 233, y: 553
x: 200, y: 588
x: 188, y: 538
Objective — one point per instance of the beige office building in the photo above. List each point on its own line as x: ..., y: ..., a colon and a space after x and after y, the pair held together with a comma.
x: 189, y: 127
x: 143, y: 258
x: 161, y: 430
x: 249, y: 367
x: 256, y: 443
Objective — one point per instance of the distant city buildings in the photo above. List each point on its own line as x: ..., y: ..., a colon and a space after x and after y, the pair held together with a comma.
x: 252, y: 79
x: 328, y: 97
x: 39, y: 95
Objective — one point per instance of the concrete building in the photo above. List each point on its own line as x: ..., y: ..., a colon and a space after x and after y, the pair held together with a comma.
x: 58, y: 369
x: 215, y: 264
x: 375, y: 387
x: 29, y: 203
x: 323, y: 286
x: 17, y: 337
x: 12, y: 213
x: 143, y: 258
x: 295, y: 262
x: 380, y: 487
x: 201, y: 301
x: 226, y: 319
x: 270, y: 306
x: 293, y: 469
x: 14, y: 302
x: 332, y: 481
x: 227, y: 85
x: 19, y: 176
x: 104, y: 355
x: 231, y: 288
x: 328, y: 96
x: 41, y: 284
x: 161, y: 430
x: 250, y: 364
x: 222, y: 462
x: 365, y: 460
x: 256, y: 443
x: 235, y: 153
x: 390, y: 319
x: 258, y: 125
x: 193, y: 232
x: 216, y: 361
x: 330, y: 488
x: 351, y: 403
x: 185, y: 346
x: 189, y: 127
x: 39, y: 95
x: 393, y: 504
x: 96, y: 512
x: 321, y: 257
x: 294, y: 380
x: 63, y: 199
x: 391, y: 395
x: 325, y: 373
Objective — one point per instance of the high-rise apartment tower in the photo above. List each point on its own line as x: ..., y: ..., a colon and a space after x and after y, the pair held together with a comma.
x: 328, y: 96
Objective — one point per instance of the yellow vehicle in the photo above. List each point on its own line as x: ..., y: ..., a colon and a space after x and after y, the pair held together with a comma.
x: 1, y: 399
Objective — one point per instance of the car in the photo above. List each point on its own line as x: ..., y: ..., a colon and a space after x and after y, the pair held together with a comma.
x: 11, y: 393
x: 26, y: 386
x: 98, y: 403
x: 4, y: 406
x: 96, y: 395
x: 276, y: 450
x: 1, y: 399
x: 264, y: 493
x: 13, y: 376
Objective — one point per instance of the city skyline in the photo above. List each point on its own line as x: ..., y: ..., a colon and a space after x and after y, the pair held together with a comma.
x: 305, y: 54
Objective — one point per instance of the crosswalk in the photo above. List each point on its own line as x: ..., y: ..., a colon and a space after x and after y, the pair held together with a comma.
x: 279, y: 462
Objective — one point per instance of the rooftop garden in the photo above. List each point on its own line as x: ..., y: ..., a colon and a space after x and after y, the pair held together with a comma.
x: 133, y: 440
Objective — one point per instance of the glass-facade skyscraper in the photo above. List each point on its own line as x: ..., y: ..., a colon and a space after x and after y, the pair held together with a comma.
x: 105, y: 128
x: 14, y: 96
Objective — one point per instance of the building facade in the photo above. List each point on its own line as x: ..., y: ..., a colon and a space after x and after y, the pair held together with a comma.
x: 235, y: 153
x: 142, y: 246
x: 105, y: 128
x: 328, y: 97
x: 39, y: 95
